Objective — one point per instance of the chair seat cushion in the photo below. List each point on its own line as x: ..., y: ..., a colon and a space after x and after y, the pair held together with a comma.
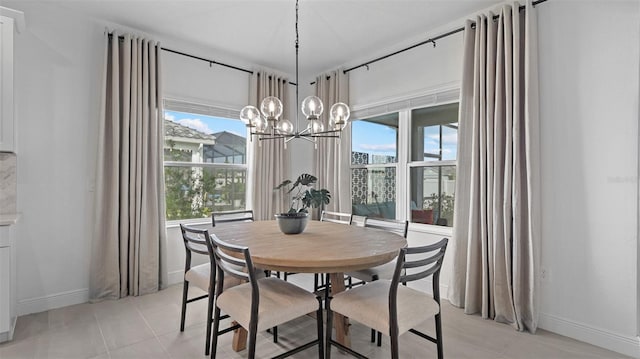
x: 369, y: 305
x: 280, y: 302
x: 383, y: 271
x: 199, y: 276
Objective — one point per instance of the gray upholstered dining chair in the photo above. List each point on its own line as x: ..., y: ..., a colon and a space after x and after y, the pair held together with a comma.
x: 260, y: 303
x: 232, y: 216
x: 394, y: 309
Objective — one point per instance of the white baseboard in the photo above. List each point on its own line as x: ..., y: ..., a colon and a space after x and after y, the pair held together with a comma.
x: 175, y: 277
x: 52, y: 301
x: 613, y: 341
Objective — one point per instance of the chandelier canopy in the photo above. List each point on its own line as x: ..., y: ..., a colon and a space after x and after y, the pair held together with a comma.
x: 267, y: 122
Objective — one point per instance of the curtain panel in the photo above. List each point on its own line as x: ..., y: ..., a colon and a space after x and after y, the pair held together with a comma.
x: 333, y: 155
x: 497, y: 216
x: 129, y: 242
x: 268, y: 160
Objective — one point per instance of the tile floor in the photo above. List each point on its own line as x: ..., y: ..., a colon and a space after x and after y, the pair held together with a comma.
x: 148, y: 327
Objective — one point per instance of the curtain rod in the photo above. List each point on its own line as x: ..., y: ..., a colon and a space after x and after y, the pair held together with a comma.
x: 430, y: 40
x: 211, y: 62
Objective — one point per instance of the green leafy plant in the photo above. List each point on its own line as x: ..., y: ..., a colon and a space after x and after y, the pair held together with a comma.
x: 303, y: 195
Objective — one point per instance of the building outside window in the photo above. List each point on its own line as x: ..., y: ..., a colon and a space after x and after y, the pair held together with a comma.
x: 403, y: 165
x: 205, y: 164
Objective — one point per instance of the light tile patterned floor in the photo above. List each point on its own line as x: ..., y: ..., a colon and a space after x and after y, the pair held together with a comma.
x: 148, y: 327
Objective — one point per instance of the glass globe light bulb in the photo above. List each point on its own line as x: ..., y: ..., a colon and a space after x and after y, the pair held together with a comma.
x: 315, y: 127
x: 271, y: 108
x: 248, y: 115
x: 339, y: 114
x: 285, y: 127
x: 312, y: 107
x: 260, y: 124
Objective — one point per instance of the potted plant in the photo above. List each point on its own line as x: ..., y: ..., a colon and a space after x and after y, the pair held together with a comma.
x: 303, y: 197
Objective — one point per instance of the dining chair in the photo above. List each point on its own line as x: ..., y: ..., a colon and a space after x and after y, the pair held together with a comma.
x: 336, y: 217
x: 260, y: 303
x: 393, y: 309
x: 232, y: 216
x: 383, y: 271
x: 202, y: 276
x: 320, y: 280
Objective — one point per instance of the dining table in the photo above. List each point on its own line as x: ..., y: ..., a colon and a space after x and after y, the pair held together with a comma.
x: 323, y: 247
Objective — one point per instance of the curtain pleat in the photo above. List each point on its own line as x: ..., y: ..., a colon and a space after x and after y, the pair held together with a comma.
x: 128, y: 250
x: 332, y: 158
x: 497, y: 215
x: 269, y: 161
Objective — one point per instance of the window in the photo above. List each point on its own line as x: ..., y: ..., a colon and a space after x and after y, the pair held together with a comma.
x: 374, y: 157
x: 403, y: 165
x: 432, y: 175
x: 205, y: 164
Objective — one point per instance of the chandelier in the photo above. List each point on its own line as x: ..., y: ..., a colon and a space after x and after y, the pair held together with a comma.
x: 267, y: 122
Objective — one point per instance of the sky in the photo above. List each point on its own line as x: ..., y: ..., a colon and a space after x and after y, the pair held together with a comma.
x: 207, y: 124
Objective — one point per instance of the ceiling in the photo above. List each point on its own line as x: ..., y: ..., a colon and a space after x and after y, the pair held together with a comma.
x: 332, y: 32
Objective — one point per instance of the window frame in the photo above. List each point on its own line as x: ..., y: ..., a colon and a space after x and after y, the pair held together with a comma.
x: 209, y: 110
x: 404, y: 106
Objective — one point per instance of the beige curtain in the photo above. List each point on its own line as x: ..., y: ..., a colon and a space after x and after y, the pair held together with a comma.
x: 497, y: 217
x: 333, y: 156
x: 269, y: 161
x: 129, y: 231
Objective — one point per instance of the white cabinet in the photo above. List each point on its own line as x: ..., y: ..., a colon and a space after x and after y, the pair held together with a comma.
x: 7, y: 283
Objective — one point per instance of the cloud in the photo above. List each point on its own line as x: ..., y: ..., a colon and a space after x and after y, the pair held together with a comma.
x: 169, y: 117
x: 381, y: 147
x: 196, y: 124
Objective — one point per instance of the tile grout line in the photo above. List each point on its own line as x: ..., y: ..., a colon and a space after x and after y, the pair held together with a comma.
x: 104, y: 340
x: 155, y: 335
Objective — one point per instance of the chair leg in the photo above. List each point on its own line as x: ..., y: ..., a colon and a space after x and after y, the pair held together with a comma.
x: 216, y: 328
x: 253, y: 332
x: 185, y: 290
x: 320, y: 329
x: 275, y: 334
x: 373, y: 335
x: 207, y: 345
x: 329, y: 328
x: 379, y: 339
x: 395, y: 352
x: 439, y: 336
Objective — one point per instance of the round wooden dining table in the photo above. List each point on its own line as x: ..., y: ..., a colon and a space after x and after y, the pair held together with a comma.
x: 323, y: 247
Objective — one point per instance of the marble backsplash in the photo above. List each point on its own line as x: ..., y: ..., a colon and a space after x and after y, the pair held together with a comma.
x: 8, y: 183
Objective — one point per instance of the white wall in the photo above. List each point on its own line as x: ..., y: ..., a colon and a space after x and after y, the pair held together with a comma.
x: 58, y: 66
x: 589, y: 128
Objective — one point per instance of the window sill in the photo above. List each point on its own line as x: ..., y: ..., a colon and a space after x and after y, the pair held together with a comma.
x: 194, y: 222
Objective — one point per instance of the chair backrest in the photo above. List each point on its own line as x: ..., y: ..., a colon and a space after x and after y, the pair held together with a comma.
x: 415, y: 263
x: 233, y: 260
x: 336, y: 217
x: 198, y: 241
x: 232, y: 216
x: 391, y: 225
